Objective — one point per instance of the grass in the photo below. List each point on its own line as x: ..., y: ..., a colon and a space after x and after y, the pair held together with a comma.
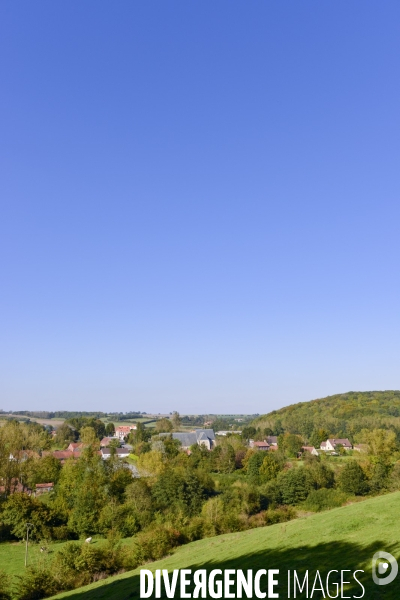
x: 12, y: 556
x: 132, y: 459
x: 343, y: 538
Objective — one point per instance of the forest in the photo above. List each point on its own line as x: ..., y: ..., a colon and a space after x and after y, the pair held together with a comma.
x: 341, y: 415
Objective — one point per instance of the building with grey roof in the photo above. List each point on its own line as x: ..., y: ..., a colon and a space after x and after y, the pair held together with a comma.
x: 202, y: 437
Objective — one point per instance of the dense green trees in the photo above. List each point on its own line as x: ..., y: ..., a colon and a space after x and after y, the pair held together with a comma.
x: 21, y: 509
x: 181, y: 491
x: 342, y: 415
x: 79, y: 423
x: 352, y: 479
x: 65, y: 434
x: 110, y: 429
x: 290, y: 444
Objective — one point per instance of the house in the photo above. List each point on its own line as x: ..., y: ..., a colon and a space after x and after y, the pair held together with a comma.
x: 330, y: 445
x: 272, y: 440
x: 261, y: 446
x: 43, y: 488
x: 311, y: 450
x: 75, y: 446
x: 62, y: 455
x: 105, y: 442
x: 202, y: 437
x: 124, y: 430
x: 225, y: 433
x: 119, y: 452
x: 23, y: 455
x: 15, y: 486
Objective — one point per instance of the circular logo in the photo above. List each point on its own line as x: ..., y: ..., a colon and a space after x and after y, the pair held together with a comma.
x: 382, y: 568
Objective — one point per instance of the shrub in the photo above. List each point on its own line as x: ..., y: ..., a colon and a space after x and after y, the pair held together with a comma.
x: 379, y: 480
x: 5, y: 581
x: 279, y: 515
x: 294, y: 485
x: 62, y: 533
x: 36, y: 584
x: 271, y: 466
x: 20, y: 509
x: 352, y: 479
x: 394, y: 479
x: 321, y: 474
x: 324, y: 499
x: 153, y: 545
x: 254, y: 466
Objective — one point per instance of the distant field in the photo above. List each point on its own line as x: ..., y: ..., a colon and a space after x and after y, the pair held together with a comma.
x: 343, y: 538
x: 53, y: 422
x: 133, y: 421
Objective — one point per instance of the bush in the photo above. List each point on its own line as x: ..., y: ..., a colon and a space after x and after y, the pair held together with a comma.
x: 36, y: 584
x: 352, y: 479
x: 20, y: 509
x: 123, y: 518
x: 5, y: 581
x: 294, y: 485
x: 321, y: 474
x: 379, y: 480
x: 279, y: 515
x: 254, y: 465
x: 324, y: 499
x: 394, y: 479
x: 62, y: 533
x: 271, y: 466
x: 153, y: 545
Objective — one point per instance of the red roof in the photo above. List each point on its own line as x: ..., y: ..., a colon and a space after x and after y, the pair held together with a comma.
x: 44, y: 485
x: 261, y: 444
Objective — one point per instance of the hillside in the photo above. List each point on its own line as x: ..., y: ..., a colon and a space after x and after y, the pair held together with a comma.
x: 341, y: 415
x: 344, y: 538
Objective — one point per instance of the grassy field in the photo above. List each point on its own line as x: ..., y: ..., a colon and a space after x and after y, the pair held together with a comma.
x: 132, y: 422
x: 12, y: 554
x: 343, y: 538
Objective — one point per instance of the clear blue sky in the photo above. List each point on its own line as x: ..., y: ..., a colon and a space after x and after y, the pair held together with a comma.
x: 200, y: 203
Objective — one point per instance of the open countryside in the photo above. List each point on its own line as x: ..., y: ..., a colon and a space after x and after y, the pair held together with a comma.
x: 97, y: 495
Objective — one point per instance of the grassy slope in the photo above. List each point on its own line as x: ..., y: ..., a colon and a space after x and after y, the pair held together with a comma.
x: 12, y: 556
x: 344, y: 538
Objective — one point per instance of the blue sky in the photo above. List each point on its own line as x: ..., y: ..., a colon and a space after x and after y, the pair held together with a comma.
x: 199, y: 203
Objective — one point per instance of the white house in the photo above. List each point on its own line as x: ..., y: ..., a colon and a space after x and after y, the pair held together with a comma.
x: 119, y: 452
x: 330, y: 445
x: 310, y: 449
x: 123, y: 430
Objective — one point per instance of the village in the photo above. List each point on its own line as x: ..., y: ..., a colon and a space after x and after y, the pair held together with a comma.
x: 119, y: 446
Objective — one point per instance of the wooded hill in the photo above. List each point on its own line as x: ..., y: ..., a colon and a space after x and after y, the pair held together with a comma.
x: 341, y: 415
